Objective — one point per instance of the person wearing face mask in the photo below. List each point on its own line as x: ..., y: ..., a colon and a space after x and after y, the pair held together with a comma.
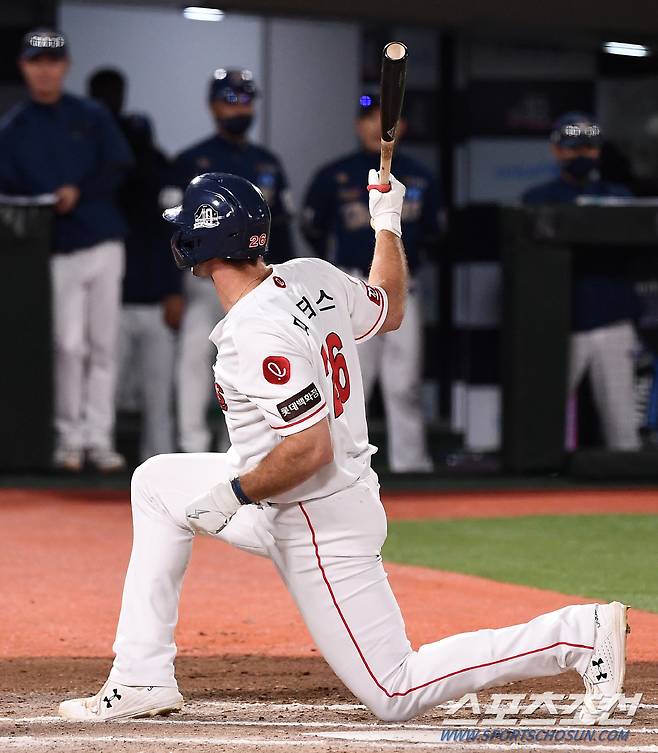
x: 336, y: 224
x: 604, y: 305
x: 231, y: 99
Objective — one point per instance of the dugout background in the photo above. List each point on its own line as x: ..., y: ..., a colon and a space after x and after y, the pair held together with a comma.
x: 484, y: 85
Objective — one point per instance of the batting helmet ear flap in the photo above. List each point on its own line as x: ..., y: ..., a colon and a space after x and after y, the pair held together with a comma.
x: 182, y: 258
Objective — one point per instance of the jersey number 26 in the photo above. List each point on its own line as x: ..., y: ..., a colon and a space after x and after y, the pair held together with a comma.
x: 335, y: 363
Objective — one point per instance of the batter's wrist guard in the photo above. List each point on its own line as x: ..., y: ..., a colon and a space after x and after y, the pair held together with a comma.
x: 243, y: 499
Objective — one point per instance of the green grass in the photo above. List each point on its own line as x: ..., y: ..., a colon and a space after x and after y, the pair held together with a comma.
x: 604, y: 557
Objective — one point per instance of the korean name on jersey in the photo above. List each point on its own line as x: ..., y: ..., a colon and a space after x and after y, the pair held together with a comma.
x: 287, y: 358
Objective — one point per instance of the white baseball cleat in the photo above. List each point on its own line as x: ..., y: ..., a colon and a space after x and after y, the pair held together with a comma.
x: 115, y: 701
x: 604, y: 678
x: 68, y: 459
x: 106, y: 460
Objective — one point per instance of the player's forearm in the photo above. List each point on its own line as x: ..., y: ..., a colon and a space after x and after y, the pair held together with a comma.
x: 389, y: 264
x: 389, y: 271
x: 289, y: 464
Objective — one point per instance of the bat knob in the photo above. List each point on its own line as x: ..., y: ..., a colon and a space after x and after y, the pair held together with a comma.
x: 395, y: 51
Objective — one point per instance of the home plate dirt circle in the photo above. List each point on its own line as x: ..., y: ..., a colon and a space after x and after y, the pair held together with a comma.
x: 314, y: 714
x: 263, y: 726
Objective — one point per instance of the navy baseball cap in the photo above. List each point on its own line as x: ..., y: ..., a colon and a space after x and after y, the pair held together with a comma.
x: 575, y: 129
x: 232, y: 86
x: 367, y: 103
x: 44, y: 42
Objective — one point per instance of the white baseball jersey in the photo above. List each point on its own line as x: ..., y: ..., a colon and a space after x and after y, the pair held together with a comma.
x: 287, y: 358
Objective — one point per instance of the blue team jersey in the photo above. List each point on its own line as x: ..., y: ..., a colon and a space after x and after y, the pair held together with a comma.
x: 336, y: 220
x: 600, y: 296
x: 74, y: 141
x: 249, y: 161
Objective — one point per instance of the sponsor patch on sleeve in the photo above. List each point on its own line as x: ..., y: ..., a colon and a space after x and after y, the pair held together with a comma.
x: 300, y: 404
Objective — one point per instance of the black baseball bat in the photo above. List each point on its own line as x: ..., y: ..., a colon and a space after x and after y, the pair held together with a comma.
x: 394, y: 72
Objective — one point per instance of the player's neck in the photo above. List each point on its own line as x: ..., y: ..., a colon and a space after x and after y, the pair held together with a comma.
x: 237, y: 139
x: 573, y: 181
x: 46, y: 97
x: 233, y: 283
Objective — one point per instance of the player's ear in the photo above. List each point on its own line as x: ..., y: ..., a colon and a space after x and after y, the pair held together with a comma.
x: 402, y: 128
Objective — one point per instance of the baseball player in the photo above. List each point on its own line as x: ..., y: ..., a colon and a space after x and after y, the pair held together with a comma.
x: 297, y: 486
x: 335, y: 221
x: 151, y: 286
x: 231, y: 99
x: 70, y: 146
x: 604, y: 304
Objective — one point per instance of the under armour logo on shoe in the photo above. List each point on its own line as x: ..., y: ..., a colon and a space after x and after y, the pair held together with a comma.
x: 111, y: 698
x: 596, y: 663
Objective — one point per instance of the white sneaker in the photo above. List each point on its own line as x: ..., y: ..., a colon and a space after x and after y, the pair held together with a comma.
x: 106, y: 460
x: 604, y: 678
x: 115, y: 701
x: 68, y: 459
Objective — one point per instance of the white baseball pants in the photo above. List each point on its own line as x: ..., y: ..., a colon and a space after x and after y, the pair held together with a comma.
x: 328, y: 553
x: 195, y: 357
x: 607, y: 353
x: 86, y: 288
x: 395, y: 358
x: 147, y: 353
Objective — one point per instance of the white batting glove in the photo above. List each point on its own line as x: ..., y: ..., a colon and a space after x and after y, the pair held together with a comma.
x: 385, y: 204
x: 211, y: 512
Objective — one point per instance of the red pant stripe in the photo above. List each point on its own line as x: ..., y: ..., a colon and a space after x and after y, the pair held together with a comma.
x: 430, y: 682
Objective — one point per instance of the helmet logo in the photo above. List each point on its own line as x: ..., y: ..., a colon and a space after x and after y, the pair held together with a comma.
x: 206, y: 216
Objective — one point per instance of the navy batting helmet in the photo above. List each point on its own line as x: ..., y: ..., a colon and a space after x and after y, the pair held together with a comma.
x: 222, y: 216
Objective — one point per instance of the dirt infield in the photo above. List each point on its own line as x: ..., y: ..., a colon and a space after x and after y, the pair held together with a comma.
x: 63, y: 557
x: 260, y: 703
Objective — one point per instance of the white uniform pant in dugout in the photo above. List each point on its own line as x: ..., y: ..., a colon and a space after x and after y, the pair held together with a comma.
x: 147, y: 355
x: 195, y: 356
x: 86, y: 308
x: 396, y: 360
x: 327, y: 552
x: 607, y: 354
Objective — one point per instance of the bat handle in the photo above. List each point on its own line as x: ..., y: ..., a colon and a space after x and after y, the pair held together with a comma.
x: 385, y: 162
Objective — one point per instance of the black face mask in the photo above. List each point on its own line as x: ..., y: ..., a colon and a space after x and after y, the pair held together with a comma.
x: 238, y: 125
x: 580, y: 168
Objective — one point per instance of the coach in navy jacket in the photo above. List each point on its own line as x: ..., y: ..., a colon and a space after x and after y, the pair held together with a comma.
x: 70, y: 147
x: 336, y: 223
x: 604, y: 305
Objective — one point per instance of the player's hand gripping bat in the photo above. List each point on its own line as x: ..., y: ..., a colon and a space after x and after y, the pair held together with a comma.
x: 394, y: 71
